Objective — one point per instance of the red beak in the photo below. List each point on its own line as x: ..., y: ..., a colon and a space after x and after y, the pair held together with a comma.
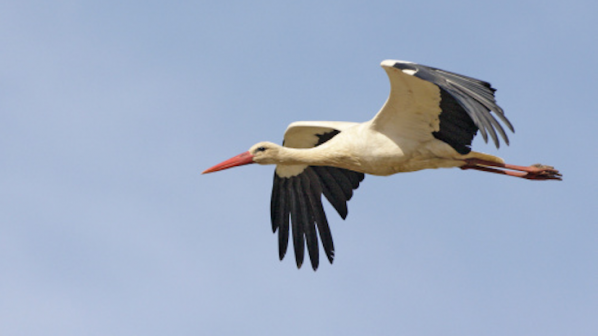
x: 239, y: 160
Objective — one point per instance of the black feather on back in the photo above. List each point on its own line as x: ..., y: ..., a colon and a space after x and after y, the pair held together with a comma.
x: 456, y: 127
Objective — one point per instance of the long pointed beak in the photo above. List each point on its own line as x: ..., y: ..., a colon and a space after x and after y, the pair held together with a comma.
x: 239, y: 160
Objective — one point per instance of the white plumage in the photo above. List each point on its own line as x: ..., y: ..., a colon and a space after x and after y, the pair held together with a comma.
x: 428, y: 121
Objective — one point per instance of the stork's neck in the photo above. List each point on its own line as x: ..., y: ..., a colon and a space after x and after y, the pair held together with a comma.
x: 318, y: 156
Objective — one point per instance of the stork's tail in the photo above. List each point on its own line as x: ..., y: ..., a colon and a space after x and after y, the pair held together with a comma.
x: 483, y: 157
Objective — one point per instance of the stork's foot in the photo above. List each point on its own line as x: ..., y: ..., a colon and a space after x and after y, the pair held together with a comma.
x: 534, y: 172
x: 542, y: 172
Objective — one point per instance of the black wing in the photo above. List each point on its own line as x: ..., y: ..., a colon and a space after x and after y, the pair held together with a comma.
x: 466, y: 104
x: 296, y: 206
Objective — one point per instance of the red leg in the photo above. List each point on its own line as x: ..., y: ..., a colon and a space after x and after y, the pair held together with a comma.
x: 533, y: 172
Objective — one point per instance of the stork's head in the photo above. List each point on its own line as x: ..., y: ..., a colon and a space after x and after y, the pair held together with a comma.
x: 262, y: 153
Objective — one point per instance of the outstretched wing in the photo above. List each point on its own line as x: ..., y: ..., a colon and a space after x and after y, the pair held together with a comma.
x: 296, y: 204
x: 426, y: 102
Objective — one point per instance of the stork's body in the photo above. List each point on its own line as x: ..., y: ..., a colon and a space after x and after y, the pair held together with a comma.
x: 360, y: 148
x: 428, y: 121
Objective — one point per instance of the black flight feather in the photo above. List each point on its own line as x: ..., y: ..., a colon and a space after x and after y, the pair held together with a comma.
x: 299, y: 198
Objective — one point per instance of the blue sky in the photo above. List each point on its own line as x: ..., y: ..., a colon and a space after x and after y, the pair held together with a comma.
x: 110, y: 110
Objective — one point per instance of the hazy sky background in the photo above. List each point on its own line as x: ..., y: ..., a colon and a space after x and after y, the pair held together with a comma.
x: 110, y: 110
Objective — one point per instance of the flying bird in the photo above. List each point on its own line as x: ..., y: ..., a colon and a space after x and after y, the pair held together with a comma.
x: 429, y: 121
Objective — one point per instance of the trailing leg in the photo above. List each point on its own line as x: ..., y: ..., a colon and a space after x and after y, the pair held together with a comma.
x: 533, y: 172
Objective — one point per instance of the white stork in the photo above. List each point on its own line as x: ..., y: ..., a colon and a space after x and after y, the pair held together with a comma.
x: 428, y: 121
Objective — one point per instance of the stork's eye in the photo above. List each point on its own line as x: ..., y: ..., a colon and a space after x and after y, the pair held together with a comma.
x: 260, y: 149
